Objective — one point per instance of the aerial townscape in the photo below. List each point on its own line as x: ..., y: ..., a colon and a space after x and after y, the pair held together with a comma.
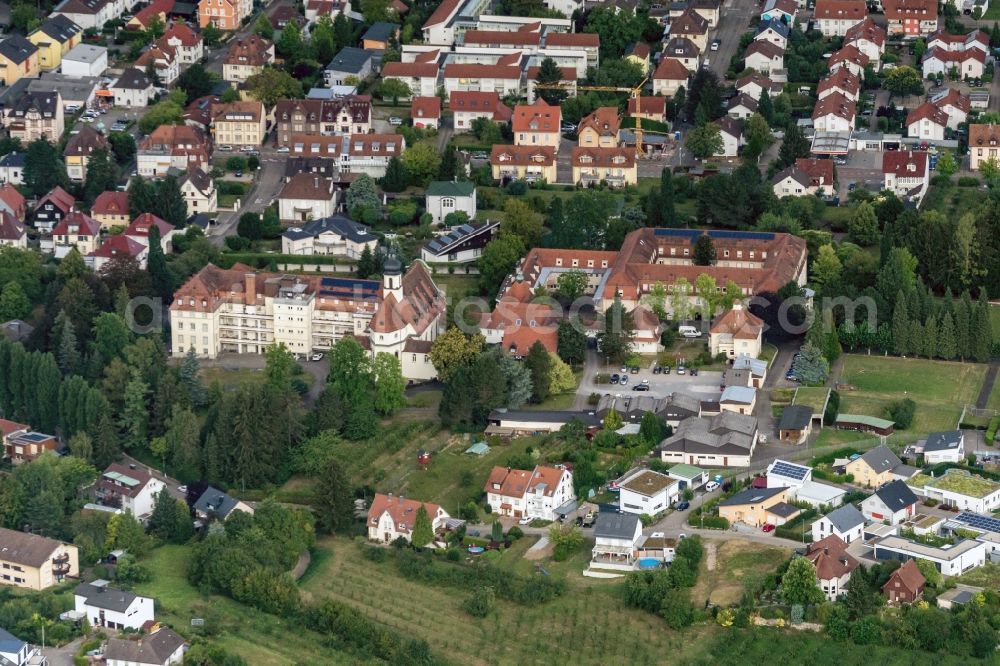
x: 443, y: 332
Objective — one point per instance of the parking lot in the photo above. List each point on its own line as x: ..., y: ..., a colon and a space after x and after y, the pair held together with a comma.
x: 705, y: 386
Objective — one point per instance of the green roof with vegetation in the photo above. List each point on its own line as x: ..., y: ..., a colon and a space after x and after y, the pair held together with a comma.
x: 956, y: 481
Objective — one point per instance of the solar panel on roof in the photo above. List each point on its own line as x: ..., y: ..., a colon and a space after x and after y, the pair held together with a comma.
x: 434, y: 245
x: 789, y: 470
x: 743, y: 235
x: 684, y: 233
x: 985, y: 523
x: 466, y: 228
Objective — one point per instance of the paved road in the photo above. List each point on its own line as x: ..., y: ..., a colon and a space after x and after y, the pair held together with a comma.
x: 263, y: 191
x: 984, y: 393
x: 734, y: 20
x: 213, y: 61
x: 62, y: 656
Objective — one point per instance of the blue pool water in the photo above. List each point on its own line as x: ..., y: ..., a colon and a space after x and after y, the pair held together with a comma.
x: 649, y: 563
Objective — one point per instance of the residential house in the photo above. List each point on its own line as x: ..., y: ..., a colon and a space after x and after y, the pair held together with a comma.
x: 738, y: 399
x: 764, y: 57
x: 779, y: 10
x: 141, y: 226
x: 13, y: 202
x: 798, y: 480
x: 651, y: 108
x: 754, y: 85
x: 590, y: 43
x: 160, y: 648
x: 76, y: 230
x: 86, y: 60
x: 906, y: 173
x: 638, y: 54
x: 155, y: 10
x: 335, y: 235
x: 93, y: 14
x: 774, y: 31
x: 874, y: 468
x: 833, y: 565
x: 213, y: 504
x: 133, y: 89
x: 690, y: 25
x: 239, y: 123
x: 984, y: 144
x: 869, y: 38
x: 162, y: 60
x: 350, y: 63
x: 959, y: 489
x: 741, y: 107
x: 391, y: 517
x: 950, y: 560
x: 198, y: 190
x: 379, y: 36
x: 54, y: 39
x: 746, y: 371
x: 226, y: 15
x: 795, y: 424
x: 530, y: 163
x: 19, y: 443
x: 670, y: 75
x: 53, y: 207
x: 188, y: 45
x: 35, y: 115
x: 12, y: 168
x: 246, y: 57
x: 35, y: 562
x: 647, y: 492
x: 467, y: 106
x: 78, y: 150
x: 688, y: 476
x: 350, y: 114
x: 835, y: 17
x: 750, y: 506
x: 306, y: 197
x: 807, y: 177
x: 905, y: 585
x: 954, y: 104
x: 842, y: 81
x: 967, y: 64
x: 425, y: 112
x: 846, y: 523
x: 370, y: 153
x: 724, y: 440
x: 977, y: 39
x: 732, y: 136
x: 461, y: 244
x: 543, y: 492
x: 911, y: 18
x: 446, y: 197
x: 503, y: 78
x: 893, y: 502
x: 173, y: 147
x: 599, y: 129
x: 18, y: 59
x: 849, y: 57
x: 709, y: 10
x: 614, y: 166
x: 105, y: 606
x: 537, y: 124
x: 127, y: 487
x: 567, y: 81
x: 736, y: 333
x: 110, y: 209
x: 944, y: 447
x: 682, y: 50
x: 13, y: 232
x: 616, y: 536
x: 834, y: 113
x: 420, y: 77
x: 15, y: 652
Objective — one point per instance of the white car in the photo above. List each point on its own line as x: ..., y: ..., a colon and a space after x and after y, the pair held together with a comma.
x: 524, y: 521
x: 318, y: 356
x: 182, y: 489
x: 711, y: 485
x: 283, y: 149
x: 225, y: 147
x: 395, y: 121
x: 715, y: 45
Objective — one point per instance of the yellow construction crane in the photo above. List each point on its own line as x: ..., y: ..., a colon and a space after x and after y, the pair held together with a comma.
x: 635, y: 93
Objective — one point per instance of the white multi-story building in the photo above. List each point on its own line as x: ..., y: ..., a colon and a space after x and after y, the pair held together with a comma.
x: 539, y: 493
x: 647, y: 492
x: 105, y: 606
x: 959, y: 489
x: 129, y: 488
x: 242, y: 312
x: 949, y: 560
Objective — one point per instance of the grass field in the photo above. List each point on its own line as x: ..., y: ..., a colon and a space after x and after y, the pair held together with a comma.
x: 456, y: 285
x: 953, y: 200
x: 263, y: 640
x: 587, y: 625
x: 994, y: 400
x: 939, y: 388
x: 814, y: 397
x: 735, y: 563
x: 834, y: 437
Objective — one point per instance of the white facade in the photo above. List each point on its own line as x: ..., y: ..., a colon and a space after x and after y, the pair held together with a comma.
x: 440, y: 206
x: 536, y: 501
x: 953, y: 561
x: 834, y: 27
x: 304, y: 210
x: 832, y: 122
x: 925, y: 128
x: 823, y: 528
x: 875, y: 510
x: 132, y: 97
x: 85, y: 60
x: 635, y: 497
x: 136, y: 614
x: 730, y: 145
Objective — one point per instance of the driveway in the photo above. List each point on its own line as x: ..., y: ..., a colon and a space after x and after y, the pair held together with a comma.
x: 62, y: 656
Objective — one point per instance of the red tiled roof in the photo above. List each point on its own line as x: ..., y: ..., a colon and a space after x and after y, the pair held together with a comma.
x: 418, y: 70
x: 830, y: 557
x: 14, y: 199
x: 58, y: 196
x: 769, y: 50
x: 843, y: 79
x: 928, y: 111
x: 739, y: 323
x: 486, y: 37
x: 473, y: 71
x: 866, y: 30
x: 984, y: 135
x: 648, y: 105
x: 671, y: 69
x: 841, y: 9
x: 955, y: 56
x: 954, y: 98
x: 898, y: 10
x: 904, y: 163
x: 909, y: 576
x: 425, y: 107
x: 11, y: 229
x: 605, y: 157
x: 86, y: 225
x: 849, y: 53
x: 183, y: 33
x: 523, y: 155
x: 817, y: 170
x: 538, y: 117
x: 837, y: 104
x: 403, y: 511
x: 110, y: 203
x: 118, y: 246
x: 441, y: 14
x: 518, y: 482
x: 689, y: 23
x: 479, y: 101
x: 9, y: 427
x: 142, y: 224
x: 585, y: 39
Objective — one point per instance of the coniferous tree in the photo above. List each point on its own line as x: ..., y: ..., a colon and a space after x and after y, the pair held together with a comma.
x: 68, y: 350
x: 334, y: 500
x: 450, y: 168
x: 190, y: 379
x: 156, y: 265
x: 395, y: 179
x: 539, y: 365
x: 141, y: 197
x: 930, y: 345
x: 900, y: 327
x: 366, y: 264
x: 549, y: 73
x: 963, y: 325
x: 102, y: 174
x: 947, y: 346
x: 170, y: 202
x: 982, y: 336
x: 106, y: 442
x: 668, y: 215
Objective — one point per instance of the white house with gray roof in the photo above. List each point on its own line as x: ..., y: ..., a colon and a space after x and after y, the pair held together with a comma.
x: 892, y: 503
x: 162, y: 647
x: 330, y: 236
x: 351, y: 61
x: 15, y: 652
x: 105, y: 606
x: 944, y: 447
x: 724, y: 440
x: 616, y: 537
x: 215, y: 504
x: 132, y: 89
x: 739, y: 399
x: 846, y: 522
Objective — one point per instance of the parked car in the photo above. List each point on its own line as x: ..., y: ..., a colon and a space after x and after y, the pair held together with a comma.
x: 634, y: 369
x: 524, y: 521
x: 694, y: 372
x: 317, y: 356
x: 393, y: 120
x: 614, y: 379
x: 589, y: 519
x: 657, y: 370
x: 225, y: 147
x: 767, y: 528
x: 680, y: 369
x: 480, y: 156
x: 711, y: 486
x: 568, y: 127
x: 239, y: 173
x: 623, y: 380
x: 683, y: 506
x: 641, y: 387
x: 715, y: 44
x: 182, y: 489
x: 666, y: 369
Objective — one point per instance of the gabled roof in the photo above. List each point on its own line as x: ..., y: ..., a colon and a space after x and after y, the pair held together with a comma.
x: 604, y: 120
x: 474, y: 71
x: 17, y: 49
x: 952, y: 97
x: 842, y: 79
x: 417, y: 70
x: 830, y: 557
x: 845, y: 518
x: 787, y: 7
x: 59, y: 197
x: 841, y: 9
x: 118, y: 246
x: 381, y: 31
x: 927, y: 111
x: 308, y: 186
x: 943, y: 441
x: 648, y: 104
x: 795, y: 417
x: 84, y: 142
x: 502, y: 37
x: 99, y: 595
x: 509, y: 482
x: 744, y: 100
x: 739, y: 323
x: 132, y: 79
x: 60, y: 28
x: 689, y: 23
x: 155, y: 648
x: 904, y: 163
x: 216, y: 503
x: 425, y: 107
x: 866, y: 30
x: 984, y: 135
x: 183, y: 33
x: 909, y: 576
x: 142, y: 225
x: 774, y: 24
x: 27, y: 549
x: 881, y: 459
x: 442, y: 13
x: 110, y: 203
x: 896, y: 495
x: 14, y: 200
x: 10, y: 228
x: 473, y: 101
x: 403, y: 511
x: 851, y: 54
x: 897, y: 10
x: 615, y: 525
x: 251, y: 50
x: 836, y: 104
x: 671, y: 69
x: 537, y: 117
x: 681, y: 47
x: 451, y: 188
x: 752, y: 496
x: 523, y: 155
x: 769, y: 50
x: 86, y: 225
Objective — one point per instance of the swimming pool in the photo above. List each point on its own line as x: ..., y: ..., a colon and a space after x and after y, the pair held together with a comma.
x: 649, y: 563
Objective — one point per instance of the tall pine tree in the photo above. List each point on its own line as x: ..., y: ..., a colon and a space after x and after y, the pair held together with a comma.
x: 668, y: 216
x: 930, y: 346
x: 156, y: 265
x: 900, y: 326
x: 947, y: 346
x: 395, y: 178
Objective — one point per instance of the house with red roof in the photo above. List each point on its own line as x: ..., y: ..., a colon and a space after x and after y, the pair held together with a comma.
x: 115, y: 247
x: 833, y: 565
x: 502, y: 77
x: 834, y: 113
x: 420, y: 77
x: 926, y: 122
x: 76, y: 230
x: 906, y: 173
x: 869, y: 38
x: 842, y: 81
x: 426, y: 111
x: 466, y: 106
x: 905, y: 585
x: 187, y: 44
x: 954, y: 104
x: 835, y: 17
x: 53, y: 207
x: 540, y: 493
x: 911, y: 18
x: 646, y: 106
x: 967, y: 63
x: 670, y: 75
x: 13, y: 232
x: 849, y: 57
x: 111, y: 209
x: 537, y: 124
x: 141, y: 226
x: 764, y: 57
x: 736, y: 333
x: 393, y: 517
x: 12, y: 201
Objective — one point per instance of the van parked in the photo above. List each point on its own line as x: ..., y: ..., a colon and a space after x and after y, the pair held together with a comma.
x: 689, y: 331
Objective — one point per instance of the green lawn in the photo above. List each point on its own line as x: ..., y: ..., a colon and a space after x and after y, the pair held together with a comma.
x: 994, y: 399
x: 768, y: 352
x: 457, y: 285
x: 231, y: 378
x: 424, y: 399
x: 814, y: 397
x: 834, y: 437
x: 736, y: 562
x: 939, y: 388
x: 227, y: 201
x: 953, y: 200
x: 992, y: 14
x: 261, y: 639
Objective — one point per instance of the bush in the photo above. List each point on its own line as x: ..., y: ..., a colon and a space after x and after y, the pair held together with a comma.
x: 237, y: 243
x: 515, y: 532
x: 902, y: 412
x: 453, y: 555
x: 968, y: 181
x: 516, y: 187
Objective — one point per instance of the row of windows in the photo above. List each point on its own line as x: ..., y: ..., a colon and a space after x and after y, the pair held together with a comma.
x: 576, y: 262
x: 16, y: 579
x: 12, y: 566
x: 193, y: 326
x: 194, y: 340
